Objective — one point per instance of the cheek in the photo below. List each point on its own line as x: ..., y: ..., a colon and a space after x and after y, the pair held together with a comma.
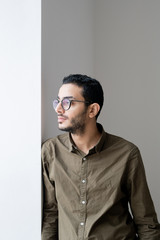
x: 79, y: 114
x: 79, y: 118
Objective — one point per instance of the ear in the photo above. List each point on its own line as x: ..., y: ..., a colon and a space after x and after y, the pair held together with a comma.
x: 93, y: 110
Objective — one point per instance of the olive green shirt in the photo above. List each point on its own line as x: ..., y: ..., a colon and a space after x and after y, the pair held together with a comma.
x: 86, y: 196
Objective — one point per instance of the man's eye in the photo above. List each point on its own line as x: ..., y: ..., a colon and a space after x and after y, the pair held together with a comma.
x: 66, y: 101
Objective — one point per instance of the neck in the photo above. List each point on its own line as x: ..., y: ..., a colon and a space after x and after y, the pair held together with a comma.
x: 88, y: 139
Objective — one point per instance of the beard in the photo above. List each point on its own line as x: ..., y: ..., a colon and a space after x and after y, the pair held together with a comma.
x: 77, y: 125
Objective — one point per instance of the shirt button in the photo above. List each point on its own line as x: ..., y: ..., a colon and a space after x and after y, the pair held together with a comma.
x: 83, y: 202
x: 83, y: 181
x: 82, y: 223
x: 84, y: 158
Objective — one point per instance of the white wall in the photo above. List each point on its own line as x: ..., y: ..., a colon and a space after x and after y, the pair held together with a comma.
x: 67, y: 47
x: 20, y: 134
x: 128, y: 64
x: 118, y: 43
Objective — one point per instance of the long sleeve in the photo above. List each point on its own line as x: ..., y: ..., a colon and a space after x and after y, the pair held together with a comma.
x: 50, y: 211
x: 142, y: 207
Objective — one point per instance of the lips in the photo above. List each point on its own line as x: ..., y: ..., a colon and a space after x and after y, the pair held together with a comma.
x: 61, y: 118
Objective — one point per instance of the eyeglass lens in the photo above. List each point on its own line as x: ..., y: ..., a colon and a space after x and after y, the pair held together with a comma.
x: 65, y: 103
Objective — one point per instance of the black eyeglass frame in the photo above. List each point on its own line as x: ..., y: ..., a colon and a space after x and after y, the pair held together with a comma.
x: 70, y: 102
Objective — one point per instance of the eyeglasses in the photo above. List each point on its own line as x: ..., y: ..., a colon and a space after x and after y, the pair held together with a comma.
x: 66, y: 103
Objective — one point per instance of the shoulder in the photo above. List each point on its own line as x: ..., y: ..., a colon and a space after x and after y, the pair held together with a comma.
x: 116, y: 143
x: 52, y: 143
x: 121, y: 144
x: 125, y: 152
x: 50, y: 146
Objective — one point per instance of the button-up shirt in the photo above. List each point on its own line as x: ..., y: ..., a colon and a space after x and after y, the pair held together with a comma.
x: 99, y: 196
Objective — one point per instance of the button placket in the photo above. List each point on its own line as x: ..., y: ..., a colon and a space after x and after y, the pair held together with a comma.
x: 83, y: 197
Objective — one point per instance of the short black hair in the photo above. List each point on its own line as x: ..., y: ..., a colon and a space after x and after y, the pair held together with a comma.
x: 91, y: 88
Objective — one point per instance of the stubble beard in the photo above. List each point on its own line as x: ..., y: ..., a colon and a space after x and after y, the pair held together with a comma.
x: 77, y: 125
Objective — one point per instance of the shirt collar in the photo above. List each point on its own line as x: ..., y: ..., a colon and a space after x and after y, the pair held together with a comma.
x: 99, y: 146
x: 72, y: 147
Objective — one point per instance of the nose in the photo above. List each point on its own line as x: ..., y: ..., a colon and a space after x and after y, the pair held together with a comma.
x: 59, y: 108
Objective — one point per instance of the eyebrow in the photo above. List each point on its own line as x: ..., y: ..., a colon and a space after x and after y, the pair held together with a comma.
x: 66, y: 97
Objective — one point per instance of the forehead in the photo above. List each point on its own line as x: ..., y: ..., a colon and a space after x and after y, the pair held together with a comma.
x: 70, y: 90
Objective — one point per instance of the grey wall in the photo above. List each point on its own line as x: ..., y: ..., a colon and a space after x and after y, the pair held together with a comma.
x: 67, y: 47
x: 118, y: 43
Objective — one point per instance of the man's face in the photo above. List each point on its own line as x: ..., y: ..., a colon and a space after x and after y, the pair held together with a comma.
x: 74, y: 119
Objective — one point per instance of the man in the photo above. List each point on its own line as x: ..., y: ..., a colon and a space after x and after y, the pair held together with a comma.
x: 91, y: 176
